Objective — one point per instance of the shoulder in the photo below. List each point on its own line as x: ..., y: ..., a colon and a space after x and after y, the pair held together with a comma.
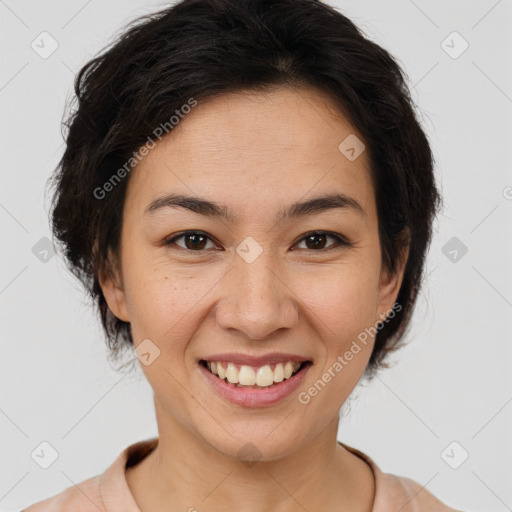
x: 411, y: 495
x: 395, y: 492
x: 107, y: 489
x: 82, y: 497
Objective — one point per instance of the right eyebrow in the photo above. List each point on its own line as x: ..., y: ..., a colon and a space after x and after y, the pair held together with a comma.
x: 194, y: 204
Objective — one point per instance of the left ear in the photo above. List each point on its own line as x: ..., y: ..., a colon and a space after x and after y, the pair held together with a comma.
x: 390, y: 282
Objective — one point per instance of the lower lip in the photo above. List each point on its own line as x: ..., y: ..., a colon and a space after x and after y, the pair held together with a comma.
x: 253, y: 397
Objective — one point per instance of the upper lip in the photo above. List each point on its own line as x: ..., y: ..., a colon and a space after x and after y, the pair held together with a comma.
x: 256, y: 361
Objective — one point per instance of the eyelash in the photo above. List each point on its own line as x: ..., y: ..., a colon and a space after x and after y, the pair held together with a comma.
x: 340, y: 241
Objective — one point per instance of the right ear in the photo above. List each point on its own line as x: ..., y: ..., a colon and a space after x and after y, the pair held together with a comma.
x: 111, y: 284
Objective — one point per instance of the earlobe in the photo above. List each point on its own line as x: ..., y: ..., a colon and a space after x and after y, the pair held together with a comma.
x: 390, y: 282
x: 113, y: 290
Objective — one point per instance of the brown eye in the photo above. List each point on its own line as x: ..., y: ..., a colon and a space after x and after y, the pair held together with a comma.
x: 317, y: 241
x: 194, y: 240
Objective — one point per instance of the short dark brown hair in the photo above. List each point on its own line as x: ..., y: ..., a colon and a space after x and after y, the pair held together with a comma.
x: 205, y: 48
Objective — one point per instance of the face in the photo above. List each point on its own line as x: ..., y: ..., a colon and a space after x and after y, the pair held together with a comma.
x: 252, y: 279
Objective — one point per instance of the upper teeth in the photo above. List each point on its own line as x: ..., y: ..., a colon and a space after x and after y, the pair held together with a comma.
x: 249, y: 376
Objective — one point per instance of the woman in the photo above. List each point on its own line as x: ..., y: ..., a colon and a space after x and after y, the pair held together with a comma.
x: 248, y: 196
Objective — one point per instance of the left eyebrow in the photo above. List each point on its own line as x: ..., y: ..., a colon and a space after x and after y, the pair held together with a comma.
x: 208, y: 208
x: 322, y: 203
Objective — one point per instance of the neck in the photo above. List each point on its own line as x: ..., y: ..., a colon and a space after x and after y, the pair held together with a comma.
x: 184, y: 472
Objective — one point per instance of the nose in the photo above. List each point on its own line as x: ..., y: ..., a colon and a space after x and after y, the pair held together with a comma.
x: 256, y: 299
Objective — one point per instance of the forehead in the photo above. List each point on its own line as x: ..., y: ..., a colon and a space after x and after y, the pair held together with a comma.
x: 253, y: 148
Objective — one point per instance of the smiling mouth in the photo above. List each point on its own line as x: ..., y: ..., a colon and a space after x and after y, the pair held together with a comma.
x: 245, y: 376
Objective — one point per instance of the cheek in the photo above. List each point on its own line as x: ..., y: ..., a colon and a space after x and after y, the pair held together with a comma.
x: 344, y: 300
x: 164, y: 301
x: 344, y: 310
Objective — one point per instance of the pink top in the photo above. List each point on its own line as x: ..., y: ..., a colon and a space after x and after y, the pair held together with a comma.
x: 109, y: 492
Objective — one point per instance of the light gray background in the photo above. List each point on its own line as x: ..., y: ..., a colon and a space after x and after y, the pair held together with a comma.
x: 452, y: 382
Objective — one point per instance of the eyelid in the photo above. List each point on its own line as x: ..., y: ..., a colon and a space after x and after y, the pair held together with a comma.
x: 340, y: 240
x: 171, y: 240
